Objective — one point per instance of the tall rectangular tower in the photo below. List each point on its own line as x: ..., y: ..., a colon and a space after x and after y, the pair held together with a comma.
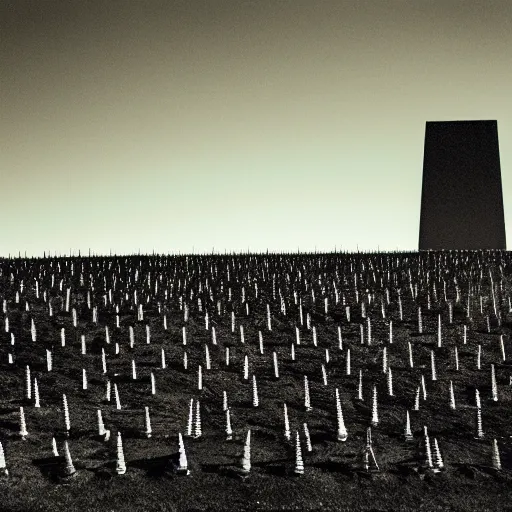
x: 461, y: 197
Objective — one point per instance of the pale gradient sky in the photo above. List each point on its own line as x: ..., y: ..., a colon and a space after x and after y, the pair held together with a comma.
x: 234, y: 124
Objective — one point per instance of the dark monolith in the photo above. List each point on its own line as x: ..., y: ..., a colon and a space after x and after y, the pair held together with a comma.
x: 461, y: 199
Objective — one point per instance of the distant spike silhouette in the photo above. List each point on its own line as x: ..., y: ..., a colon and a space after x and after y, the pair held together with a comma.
x: 299, y: 463
x: 120, y: 464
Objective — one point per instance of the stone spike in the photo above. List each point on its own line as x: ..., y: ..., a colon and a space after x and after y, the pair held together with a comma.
x: 408, y: 433
x: 342, y: 434
x: 183, y: 463
x: 36, y: 394
x: 134, y: 370
x: 276, y: 367
x: 153, y: 383
x: 190, y: 417
x: 246, y: 459
x: 69, y: 469
x: 163, y: 360
x: 308, y: 438
x: 116, y: 394
x: 452, y: 396
x: 479, y: 430
x: 375, y: 416
x: 347, y: 369
x: 286, y: 424
x: 197, y: 425
x: 28, y: 381
x: 299, y: 463
x: 433, y: 365
x: 66, y: 414
x: 438, y: 461
x: 255, y: 399
x: 246, y: 367
x: 496, y: 460
x: 229, y: 431
x: 23, y: 425
x: 390, y: 382
x: 307, y: 403
x: 148, y: 423
x: 54, y: 448
x: 360, y: 386
x: 120, y: 465
x: 417, y: 400
x: 428, y: 452
x: 3, y: 466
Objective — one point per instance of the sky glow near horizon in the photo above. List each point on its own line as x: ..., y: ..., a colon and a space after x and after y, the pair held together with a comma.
x: 235, y: 125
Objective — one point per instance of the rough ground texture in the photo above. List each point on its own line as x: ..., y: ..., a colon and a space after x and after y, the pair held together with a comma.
x: 333, y: 479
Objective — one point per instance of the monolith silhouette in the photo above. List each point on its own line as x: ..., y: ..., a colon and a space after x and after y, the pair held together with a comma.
x: 462, y: 199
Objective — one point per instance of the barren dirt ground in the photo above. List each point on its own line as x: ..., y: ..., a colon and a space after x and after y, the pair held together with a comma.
x: 333, y: 478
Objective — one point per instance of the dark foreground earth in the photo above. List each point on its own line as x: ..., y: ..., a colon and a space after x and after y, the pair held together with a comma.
x: 334, y: 477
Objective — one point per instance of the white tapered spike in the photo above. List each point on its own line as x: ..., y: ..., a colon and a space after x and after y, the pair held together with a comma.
x: 54, y: 447
x: 286, y: 424
x: 148, y: 431
x: 342, y: 434
x: 308, y: 438
x: 120, y: 464
x: 246, y: 459
x: 299, y: 463
x: 438, y: 460
x: 69, y: 468
x: 408, y: 433
x: 23, y: 425
x: 229, y: 431
x: 183, y: 463
x: 190, y: 417
x: 496, y: 459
